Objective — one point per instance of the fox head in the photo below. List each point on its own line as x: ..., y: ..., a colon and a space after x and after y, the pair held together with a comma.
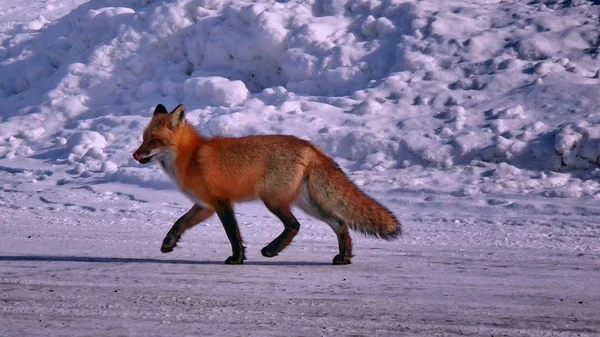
x: 160, y: 136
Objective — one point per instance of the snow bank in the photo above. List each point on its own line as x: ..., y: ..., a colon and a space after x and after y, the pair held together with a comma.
x: 380, y: 85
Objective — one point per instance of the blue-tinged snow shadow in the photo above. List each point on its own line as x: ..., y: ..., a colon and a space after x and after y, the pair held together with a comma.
x: 95, y: 259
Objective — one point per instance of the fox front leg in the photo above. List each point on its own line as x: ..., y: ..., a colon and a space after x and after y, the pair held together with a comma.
x: 225, y: 214
x: 195, y: 215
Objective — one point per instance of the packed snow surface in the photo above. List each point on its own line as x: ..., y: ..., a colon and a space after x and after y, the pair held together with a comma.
x: 476, y: 122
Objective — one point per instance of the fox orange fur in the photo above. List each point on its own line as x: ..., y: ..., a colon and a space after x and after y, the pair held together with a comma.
x: 281, y: 171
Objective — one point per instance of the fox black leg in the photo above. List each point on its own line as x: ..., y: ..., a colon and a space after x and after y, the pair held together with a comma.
x: 292, y: 226
x: 344, y: 243
x: 227, y: 217
x: 195, y: 215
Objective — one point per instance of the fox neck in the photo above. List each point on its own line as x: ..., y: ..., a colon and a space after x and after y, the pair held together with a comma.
x: 176, y: 162
x: 185, y: 139
x: 185, y: 144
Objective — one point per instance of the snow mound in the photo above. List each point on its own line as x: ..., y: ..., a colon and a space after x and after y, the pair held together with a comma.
x: 389, y: 86
x: 578, y: 145
x: 83, y: 141
x: 216, y: 90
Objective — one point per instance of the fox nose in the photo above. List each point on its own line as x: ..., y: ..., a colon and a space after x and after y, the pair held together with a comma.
x: 136, y: 156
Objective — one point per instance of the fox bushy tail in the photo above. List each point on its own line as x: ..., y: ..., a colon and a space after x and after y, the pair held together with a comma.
x: 338, y: 198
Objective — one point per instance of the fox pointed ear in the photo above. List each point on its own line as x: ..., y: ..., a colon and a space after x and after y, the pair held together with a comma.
x: 160, y: 109
x: 177, y: 117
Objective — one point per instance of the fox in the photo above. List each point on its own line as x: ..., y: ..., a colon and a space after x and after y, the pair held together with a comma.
x: 282, y: 171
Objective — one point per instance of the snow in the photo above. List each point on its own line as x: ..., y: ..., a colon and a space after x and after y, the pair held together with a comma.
x: 217, y: 91
x: 476, y: 122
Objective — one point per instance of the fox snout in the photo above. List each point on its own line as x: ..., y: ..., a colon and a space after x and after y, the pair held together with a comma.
x: 142, y: 157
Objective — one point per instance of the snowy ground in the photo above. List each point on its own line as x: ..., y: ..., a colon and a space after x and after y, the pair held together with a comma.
x: 92, y: 267
x: 477, y: 124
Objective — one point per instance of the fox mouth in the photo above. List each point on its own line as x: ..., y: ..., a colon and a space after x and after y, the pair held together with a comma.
x: 144, y: 160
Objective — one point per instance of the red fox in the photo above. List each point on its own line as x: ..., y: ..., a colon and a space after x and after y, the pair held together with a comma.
x: 281, y: 171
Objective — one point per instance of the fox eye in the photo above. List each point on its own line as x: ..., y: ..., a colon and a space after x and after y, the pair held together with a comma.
x: 154, y: 141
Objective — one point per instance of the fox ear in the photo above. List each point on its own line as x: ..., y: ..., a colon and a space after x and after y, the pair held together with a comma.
x: 177, y: 116
x: 160, y: 109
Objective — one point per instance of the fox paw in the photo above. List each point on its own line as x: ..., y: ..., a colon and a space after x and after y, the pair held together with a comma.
x: 169, y: 243
x: 266, y: 252
x: 341, y: 260
x: 235, y: 260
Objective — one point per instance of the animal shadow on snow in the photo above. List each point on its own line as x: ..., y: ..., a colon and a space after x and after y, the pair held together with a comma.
x: 96, y: 259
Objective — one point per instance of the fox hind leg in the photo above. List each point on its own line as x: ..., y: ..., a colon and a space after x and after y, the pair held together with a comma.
x: 344, y: 242
x: 292, y: 226
x: 191, y: 218
x: 307, y: 204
